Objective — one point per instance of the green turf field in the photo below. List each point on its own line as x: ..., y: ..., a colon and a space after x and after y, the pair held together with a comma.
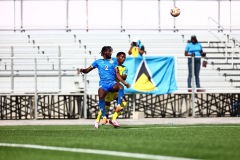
x: 197, y: 142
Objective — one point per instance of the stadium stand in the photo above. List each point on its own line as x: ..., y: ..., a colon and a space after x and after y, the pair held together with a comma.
x: 221, y: 71
x: 58, y: 55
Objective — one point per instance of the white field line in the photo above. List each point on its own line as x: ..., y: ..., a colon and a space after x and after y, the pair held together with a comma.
x: 94, y: 151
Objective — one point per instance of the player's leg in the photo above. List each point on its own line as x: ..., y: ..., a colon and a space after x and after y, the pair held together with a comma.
x: 102, y: 93
x: 107, y: 106
x: 99, y: 116
x: 123, y: 105
x: 116, y: 114
x: 108, y: 99
x: 118, y: 87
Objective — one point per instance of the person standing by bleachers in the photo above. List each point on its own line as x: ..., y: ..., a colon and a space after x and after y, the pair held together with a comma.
x: 194, y: 49
x: 136, y: 49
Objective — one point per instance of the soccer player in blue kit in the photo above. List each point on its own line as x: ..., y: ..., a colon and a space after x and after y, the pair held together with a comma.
x: 108, y: 72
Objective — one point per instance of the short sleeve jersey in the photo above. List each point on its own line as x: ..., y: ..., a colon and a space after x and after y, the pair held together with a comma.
x: 106, y: 70
x: 194, y: 48
x: 123, y: 70
x: 135, y: 52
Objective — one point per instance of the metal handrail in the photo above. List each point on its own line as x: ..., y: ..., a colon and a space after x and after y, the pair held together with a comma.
x: 209, y: 29
x: 116, y: 29
x: 219, y: 25
x: 209, y: 32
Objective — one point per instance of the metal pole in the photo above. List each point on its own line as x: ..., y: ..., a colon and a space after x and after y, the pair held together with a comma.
x: 176, y: 66
x: 67, y: 14
x: 12, y: 77
x: 232, y: 53
x: 134, y: 102
x: 193, y: 87
x: 230, y: 15
x: 208, y: 31
x: 87, y: 15
x: 35, y: 95
x: 159, y: 17
x: 121, y: 14
x: 14, y: 12
x: 174, y: 19
x: 59, y: 70
x: 85, y: 90
x: 21, y: 13
x: 219, y: 16
x: 226, y: 51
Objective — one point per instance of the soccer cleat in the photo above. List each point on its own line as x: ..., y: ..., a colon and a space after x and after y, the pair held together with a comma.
x: 114, y: 123
x: 119, y: 109
x: 104, y: 121
x: 96, y: 124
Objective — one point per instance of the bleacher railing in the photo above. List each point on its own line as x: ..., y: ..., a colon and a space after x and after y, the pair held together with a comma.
x: 34, y: 72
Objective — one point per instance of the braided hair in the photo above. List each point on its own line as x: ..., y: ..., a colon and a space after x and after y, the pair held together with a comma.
x: 105, y: 49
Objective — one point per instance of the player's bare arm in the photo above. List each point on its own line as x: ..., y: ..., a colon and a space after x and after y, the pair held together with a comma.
x: 124, y: 77
x: 121, y: 79
x: 87, y: 70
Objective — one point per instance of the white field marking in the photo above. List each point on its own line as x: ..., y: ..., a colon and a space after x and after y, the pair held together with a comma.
x: 95, y: 151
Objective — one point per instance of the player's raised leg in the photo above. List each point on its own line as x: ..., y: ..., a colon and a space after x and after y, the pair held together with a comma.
x: 118, y: 87
x: 116, y: 114
x: 120, y: 97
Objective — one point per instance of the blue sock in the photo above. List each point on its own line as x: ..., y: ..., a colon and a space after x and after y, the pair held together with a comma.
x: 120, y: 96
x: 102, y: 107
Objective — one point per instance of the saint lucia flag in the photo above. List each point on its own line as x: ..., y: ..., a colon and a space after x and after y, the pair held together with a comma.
x: 151, y: 75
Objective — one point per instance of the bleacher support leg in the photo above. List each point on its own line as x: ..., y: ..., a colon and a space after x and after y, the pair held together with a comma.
x: 85, y: 91
x: 193, y: 88
x: 36, y: 95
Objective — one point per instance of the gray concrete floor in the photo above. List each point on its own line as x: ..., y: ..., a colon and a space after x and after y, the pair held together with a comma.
x: 145, y: 121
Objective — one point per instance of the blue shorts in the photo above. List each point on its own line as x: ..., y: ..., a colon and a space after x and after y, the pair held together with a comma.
x: 108, y: 87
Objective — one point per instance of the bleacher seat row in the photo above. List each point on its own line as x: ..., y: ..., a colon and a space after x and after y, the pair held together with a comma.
x: 59, y: 55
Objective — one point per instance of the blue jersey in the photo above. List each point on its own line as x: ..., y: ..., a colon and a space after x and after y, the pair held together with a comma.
x: 194, y: 48
x: 106, y: 70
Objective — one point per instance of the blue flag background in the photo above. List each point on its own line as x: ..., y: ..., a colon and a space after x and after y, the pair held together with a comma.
x: 159, y: 70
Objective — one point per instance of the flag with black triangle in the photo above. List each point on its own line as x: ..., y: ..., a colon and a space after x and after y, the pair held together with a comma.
x: 151, y: 75
x: 143, y: 79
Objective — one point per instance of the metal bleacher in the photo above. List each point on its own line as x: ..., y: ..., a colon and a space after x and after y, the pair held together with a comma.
x: 43, y: 65
x: 71, y: 50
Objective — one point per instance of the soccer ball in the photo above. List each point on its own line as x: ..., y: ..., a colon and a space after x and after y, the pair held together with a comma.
x: 175, y: 11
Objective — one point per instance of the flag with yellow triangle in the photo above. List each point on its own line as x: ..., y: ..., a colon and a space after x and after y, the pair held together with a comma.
x: 151, y: 75
x: 143, y: 80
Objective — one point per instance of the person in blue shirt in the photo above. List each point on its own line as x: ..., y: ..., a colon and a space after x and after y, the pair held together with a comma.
x: 194, y: 49
x: 108, y: 72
